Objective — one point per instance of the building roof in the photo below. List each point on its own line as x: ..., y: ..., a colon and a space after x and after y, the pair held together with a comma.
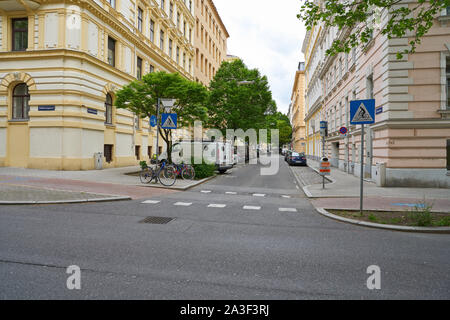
x: 213, y: 6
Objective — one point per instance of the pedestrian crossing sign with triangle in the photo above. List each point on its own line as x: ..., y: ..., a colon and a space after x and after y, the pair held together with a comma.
x: 362, y: 111
x: 169, y: 120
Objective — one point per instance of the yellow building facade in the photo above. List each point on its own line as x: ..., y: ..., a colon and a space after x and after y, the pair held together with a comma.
x: 210, y: 41
x: 297, y: 110
x: 61, y: 63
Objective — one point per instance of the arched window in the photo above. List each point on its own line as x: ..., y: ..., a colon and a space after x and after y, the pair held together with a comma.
x: 21, y: 97
x: 108, y: 109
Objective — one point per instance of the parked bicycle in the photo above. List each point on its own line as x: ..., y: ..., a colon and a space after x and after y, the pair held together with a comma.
x: 163, y: 173
x: 186, y: 171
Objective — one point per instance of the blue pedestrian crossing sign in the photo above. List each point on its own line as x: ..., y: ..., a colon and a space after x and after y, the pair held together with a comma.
x: 169, y: 120
x: 153, y: 121
x: 362, y: 111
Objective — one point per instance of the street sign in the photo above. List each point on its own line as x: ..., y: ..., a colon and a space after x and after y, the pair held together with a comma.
x: 169, y: 120
x: 153, y: 121
x: 362, y: 111
x: 343, y: 130
x: 323, y: 128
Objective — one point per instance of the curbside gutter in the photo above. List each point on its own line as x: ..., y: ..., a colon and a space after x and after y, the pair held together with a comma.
x: 325, y: 213
x: 65, y: 201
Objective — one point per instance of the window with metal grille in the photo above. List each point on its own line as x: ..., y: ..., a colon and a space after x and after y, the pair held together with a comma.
x: 19, y: 34
x: 108, y: 109
x: 108, y: 151
x: 20, y: 101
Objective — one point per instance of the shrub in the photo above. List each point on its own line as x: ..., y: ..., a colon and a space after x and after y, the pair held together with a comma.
x: 204, y: 170
x: 421, y: 214
x: 143, y: 165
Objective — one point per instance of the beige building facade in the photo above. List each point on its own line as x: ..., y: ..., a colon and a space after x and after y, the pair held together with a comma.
x: 61, y: 63
x: 210, y: 41
x: 297, y: 110
x: 409, y: 144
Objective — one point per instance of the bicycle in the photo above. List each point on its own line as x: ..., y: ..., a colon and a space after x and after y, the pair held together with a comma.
x: 186, y: 171
x: 165, y: 175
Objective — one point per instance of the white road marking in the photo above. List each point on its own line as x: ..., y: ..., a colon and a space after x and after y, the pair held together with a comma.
x: 259, y: 195
x: 251, y: 208
x: 230, y: 192
x: 213, y: 205
x: 205, y: 191
x: 287, y: 197
x: 183, y: 204
x: 151, y: 202
x: 287, y: 209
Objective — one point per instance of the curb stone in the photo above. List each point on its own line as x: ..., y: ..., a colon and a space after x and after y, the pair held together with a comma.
x: 325, y: 213
x: 65, y: 201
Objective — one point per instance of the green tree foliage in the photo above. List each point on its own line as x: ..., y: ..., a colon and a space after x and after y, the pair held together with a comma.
x: 281, y: 122
x: 359, y: 18
x: 140, y: 97
x: 239, y: 98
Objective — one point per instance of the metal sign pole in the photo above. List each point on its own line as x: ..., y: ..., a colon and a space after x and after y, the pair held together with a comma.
x: 323, y: 156
x: 157, y: 131
x: 362, y: 171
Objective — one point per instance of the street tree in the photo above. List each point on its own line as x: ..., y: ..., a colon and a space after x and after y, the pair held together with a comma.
x: 240, y: 98
x: 358, y: 20
x: 140, y: 97
x: 280, y: 122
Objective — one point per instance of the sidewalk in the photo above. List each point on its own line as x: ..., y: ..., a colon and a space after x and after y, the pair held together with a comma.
x: 344, y: 190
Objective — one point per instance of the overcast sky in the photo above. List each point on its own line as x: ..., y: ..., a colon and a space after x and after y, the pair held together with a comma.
x: 267, y: 35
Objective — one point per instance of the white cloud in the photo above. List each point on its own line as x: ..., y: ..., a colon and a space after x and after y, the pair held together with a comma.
x: 267, y: 35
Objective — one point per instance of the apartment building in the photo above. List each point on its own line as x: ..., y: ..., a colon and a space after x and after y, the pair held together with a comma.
x: 297, y: 110
x: 62, y: 61
x: 210, y: 41
x: 409, y: 143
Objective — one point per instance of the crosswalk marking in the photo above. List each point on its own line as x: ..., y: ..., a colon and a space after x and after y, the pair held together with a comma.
x: 287, y: 209
x: 151, y: 202
x: 183, y: 204
x: 259, y: 195
x: 252, y: 208
x: 287, y: 197
x: 205, y: 191
x: 230, y: 192
x: 213, y: 205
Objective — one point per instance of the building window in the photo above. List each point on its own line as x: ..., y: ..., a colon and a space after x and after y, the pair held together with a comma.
x: 447, y: 71
x: 140, y: 19
x: 163, y: 5
x: 161, y: 40
x: 112, y: 3
x: 139, y: 68
x: 150, y: 152
x: 448, y: 155
x: 184, y: 60
x: 178, y: 55
x: 370, y: 87
x: 20, y: 101
x: 108, y: 151
x: 20, y: 34
x: 152, y: 31
x: 448, y: 10
x: 170, y: 47
x: 111, y: 51
x: 178, y: 20
x: 136, y: 123
x: 152, y: 68
x: 108, y: 109
x: 137, y: 151
x: 171, y: 11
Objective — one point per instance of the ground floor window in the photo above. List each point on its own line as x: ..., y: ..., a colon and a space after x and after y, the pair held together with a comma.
x: 108, y: 151
x: 448, y: 155
x: 149, y: 152
x: 20, y: 101
x: 137, y: 150
x: 159, y: 150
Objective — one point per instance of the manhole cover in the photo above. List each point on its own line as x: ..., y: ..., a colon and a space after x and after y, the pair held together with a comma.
x: 157, y: 220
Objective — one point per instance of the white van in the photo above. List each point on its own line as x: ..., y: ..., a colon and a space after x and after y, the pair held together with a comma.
x: 218, y: 153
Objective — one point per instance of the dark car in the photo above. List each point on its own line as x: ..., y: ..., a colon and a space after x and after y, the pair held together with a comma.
x: 296, y: 158
x: 287, y: 154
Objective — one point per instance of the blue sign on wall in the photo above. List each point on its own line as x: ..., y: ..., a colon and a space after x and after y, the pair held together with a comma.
x: 379, y: 110
x: 46, y: 108
x: 169, y: 120
x: 362, y: 111
x: 92, y: 111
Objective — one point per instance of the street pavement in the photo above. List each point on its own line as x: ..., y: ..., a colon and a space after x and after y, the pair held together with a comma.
x: 239, y: 236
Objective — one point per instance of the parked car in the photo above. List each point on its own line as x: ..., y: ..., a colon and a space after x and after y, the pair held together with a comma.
x: 296, y: 158
x: 287, y: 154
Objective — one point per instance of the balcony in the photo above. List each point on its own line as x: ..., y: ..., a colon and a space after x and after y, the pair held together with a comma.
x: 24, y: 5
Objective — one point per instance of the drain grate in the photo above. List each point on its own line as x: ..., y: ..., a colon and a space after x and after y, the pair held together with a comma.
x: 157, y: 220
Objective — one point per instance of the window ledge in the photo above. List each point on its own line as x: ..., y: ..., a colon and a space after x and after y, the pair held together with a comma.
x: 110, y: 125
x: 19, y: 120
x: 445, y: 114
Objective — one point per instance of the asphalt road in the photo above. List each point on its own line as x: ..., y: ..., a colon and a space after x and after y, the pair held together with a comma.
x: 240, y: 236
